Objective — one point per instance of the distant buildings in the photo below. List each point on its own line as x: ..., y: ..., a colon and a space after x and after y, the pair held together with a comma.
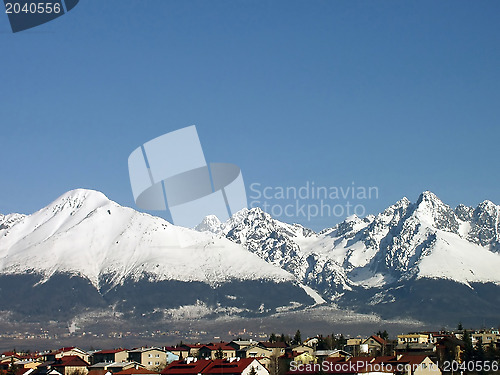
x: 416, y: 353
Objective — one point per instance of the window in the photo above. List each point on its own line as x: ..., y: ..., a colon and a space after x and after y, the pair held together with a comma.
x: 150, y: 363
x: 157, y: 363
x: 150, y: 355
x: 157, y: 356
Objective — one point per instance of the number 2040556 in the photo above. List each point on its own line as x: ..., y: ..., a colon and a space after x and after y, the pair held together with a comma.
x: 471, y: 366
x: 33, y: 8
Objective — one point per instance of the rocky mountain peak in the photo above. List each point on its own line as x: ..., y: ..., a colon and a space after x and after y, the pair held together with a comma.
x: 211, y: 223
x: 432, y: 211
x: 485, y: 225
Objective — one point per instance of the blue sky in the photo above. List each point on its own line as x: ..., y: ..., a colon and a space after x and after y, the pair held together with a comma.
x: 403, y: 96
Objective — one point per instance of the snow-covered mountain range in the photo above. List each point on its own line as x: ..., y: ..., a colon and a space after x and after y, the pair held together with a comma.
x: 114, y: 255
x: 85, y: 234
x: 389, y: 264
x: 427, y: 239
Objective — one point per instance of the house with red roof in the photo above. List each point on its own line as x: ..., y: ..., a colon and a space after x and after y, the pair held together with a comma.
x: 235, y: 366
x: 189, y: 366
x: 70, y: 364
x: 67, y: 351
x: 374, y: 346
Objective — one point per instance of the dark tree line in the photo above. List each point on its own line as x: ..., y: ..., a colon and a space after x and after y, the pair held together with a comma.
x: 331, y: 342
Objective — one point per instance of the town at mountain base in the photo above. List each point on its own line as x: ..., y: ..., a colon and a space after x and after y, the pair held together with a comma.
x: 414, y: 353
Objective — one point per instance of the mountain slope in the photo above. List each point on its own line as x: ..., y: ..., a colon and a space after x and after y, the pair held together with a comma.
x: 425, y: 239
x: 84, y: 235
x: 371, y: 261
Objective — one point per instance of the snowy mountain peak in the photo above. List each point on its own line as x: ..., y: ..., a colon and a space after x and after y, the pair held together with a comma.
x: 84, y: 233
x: 397, y: 244
x: 428, y: 196
x: 428, y: 201
x: 211, y: 223
x: 256, y: 213
x: 75, y: 199
x: 488, y: 206
x: 431, y: 211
